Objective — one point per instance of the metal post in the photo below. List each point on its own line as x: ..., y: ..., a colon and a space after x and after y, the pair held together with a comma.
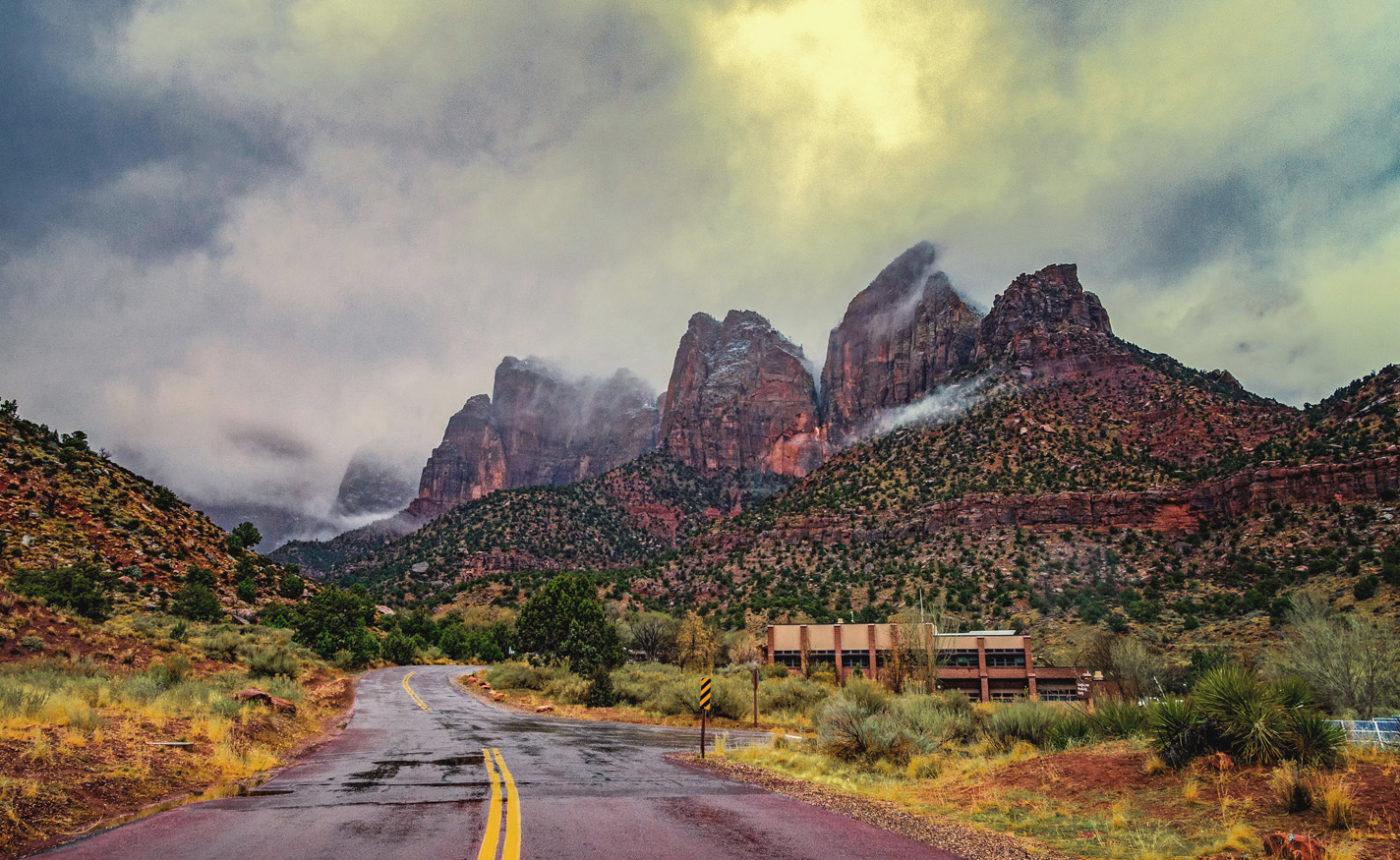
x: 702, y: 735
x: 755, y: 697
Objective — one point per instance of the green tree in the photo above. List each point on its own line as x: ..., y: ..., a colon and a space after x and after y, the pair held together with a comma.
x: 245, y: 535
x: 247, y: 589
x: 564, y: 620
x: 196, y: 599
x: 401, y: 648
x: 292, y: 586
x: 337, y: 619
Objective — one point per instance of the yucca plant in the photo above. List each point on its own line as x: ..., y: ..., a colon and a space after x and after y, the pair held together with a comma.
x: 1116, y: 718
x: 1179, y: 732
x: 1315, y: 740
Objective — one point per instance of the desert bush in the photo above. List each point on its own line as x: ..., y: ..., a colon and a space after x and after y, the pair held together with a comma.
x: 516, y: 676
x: 221, y: 645
x: 1032, y: 722
x: 272, y: 660
x: 848, y: 731
x: 790, y: 694
x: 929, y: 723
x: 170, y: 672
x: 1348, y: 660
x: 1231, y: 710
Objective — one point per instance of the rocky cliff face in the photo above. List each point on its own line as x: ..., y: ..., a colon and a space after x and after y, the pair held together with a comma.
x: 372, y: 484
x: 1044, y: 317
x: 741, y: 399
x: 902, y: 336
x: 541, y: 429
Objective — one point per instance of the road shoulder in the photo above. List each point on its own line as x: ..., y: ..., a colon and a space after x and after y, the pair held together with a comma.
x: 969, y: 842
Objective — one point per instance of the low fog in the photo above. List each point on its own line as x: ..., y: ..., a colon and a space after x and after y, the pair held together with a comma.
x: 238, y: 249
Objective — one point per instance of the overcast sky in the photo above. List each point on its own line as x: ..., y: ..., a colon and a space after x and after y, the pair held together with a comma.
x: 240, y: 240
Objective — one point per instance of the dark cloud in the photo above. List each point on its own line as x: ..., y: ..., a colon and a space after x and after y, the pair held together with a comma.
x: 150, y: 171
x: 1201, y: 222
x: 268, y: 443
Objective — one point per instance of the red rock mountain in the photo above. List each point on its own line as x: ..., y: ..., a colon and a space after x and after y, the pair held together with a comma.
x: 902, y: 336
x: 541, y: 429
x: 741, y: 398
x: 1044, y: 317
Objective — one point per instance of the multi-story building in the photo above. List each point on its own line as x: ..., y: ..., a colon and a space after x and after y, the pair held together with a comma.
x: 986, y: 665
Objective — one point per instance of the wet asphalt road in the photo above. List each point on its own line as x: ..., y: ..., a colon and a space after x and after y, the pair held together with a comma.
x: 405, y: 780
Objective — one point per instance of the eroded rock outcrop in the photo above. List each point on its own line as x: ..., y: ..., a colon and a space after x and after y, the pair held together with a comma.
x: 1044, y: 317
x: 541, y: 428
x: 904, y: 335
x: 741, y: 398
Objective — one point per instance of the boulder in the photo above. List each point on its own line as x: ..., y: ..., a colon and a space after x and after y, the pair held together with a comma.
x: 253, y: 694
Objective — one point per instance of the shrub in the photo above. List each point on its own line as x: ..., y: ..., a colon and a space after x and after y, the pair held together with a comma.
x: 600, y: 691
x: 847, y: 731
x: 1365, y: 587
x: 170, y: 672
x: 221, y: 645
x: 247, y: 590
x: 291, y: 586
x: 401, y: 649
x: 335, y: 619
x: 515, y: 676
x: 929, y: 724
x: 1292, y: 787
x: 1036, y: 723
x: 790, y: 694
x: 84, y: 588
x: 273, y: 660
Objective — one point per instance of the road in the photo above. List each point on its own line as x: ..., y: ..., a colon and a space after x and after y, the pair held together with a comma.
x: 423, y: 768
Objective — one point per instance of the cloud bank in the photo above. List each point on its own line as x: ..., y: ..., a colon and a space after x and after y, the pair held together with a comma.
x: 239, y: 240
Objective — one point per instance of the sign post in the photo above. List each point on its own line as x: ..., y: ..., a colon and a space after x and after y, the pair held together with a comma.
x: 704, y: 710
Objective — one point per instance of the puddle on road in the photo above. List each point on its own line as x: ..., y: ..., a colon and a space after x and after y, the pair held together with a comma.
x: 387, y: 769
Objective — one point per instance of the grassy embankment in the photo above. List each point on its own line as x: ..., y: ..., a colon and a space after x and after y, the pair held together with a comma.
x: 83, y: 706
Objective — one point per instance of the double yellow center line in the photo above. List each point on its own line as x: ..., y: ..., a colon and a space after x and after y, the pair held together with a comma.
x: 492, y: 845
x: 510, y: 848
x: 416, y: 698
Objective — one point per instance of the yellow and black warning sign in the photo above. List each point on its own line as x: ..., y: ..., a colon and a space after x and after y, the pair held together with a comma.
x: 705, y: 694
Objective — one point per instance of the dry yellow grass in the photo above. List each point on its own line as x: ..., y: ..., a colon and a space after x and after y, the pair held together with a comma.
x: 1337, y: 805
x: 1238, y: 837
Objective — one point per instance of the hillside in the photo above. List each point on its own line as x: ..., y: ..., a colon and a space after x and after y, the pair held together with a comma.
x: 61, y: 503
x: 624, y: 517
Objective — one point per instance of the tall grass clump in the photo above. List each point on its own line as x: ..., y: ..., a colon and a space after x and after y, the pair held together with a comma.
x: 865, y: 723
x: 273, y: 660
x: 1046, y: 725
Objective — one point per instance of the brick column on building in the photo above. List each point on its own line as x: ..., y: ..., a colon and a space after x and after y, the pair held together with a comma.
x: 1030, y: 672
x: 772, y: 642
x: 802, y: 640
x: 870, y: 633
x: 982, y: 668
x: 836, y: 645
